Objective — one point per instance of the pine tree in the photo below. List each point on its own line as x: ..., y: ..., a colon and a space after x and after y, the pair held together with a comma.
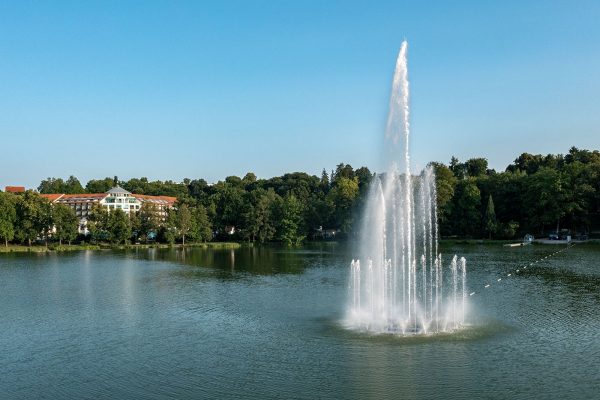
x: 490, y: 217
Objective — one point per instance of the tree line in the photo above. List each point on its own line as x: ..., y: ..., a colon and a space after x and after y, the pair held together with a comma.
x: 288, y: 209
x: 535, y: 194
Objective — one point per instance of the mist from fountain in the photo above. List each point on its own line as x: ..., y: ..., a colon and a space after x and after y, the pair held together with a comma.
x: 400, y: 285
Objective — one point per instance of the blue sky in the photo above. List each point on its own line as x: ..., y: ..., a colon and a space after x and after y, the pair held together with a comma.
x: 202, y: 89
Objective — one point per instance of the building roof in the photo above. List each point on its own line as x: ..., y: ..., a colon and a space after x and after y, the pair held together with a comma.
x: 66, y: 198
x: 83, y: 196
x: 156, y: 199
x: 14, y: 189
x: 118, y: 190
x: 52, y: 196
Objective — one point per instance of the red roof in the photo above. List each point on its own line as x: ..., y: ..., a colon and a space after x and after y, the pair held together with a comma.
x: 84, y: 196
x: 99, y: 196
x: 14, y: 189
x: 52, y: 197
x: 168, y: 199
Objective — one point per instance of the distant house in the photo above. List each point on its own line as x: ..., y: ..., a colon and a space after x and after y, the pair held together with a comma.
x: 230, y: 229
x: 115, y: 198
x: 325, y: 234
x: 14, y: 189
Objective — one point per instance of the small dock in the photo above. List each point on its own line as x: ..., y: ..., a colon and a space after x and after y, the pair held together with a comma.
x: 517, y: 244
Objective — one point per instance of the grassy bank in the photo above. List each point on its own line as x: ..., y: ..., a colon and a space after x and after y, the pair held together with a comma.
x: 15, y: 248
x: 207, y: 245
x: 105, y: 246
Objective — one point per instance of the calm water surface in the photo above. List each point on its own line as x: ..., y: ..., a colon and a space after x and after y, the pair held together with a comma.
x: 260, y: 323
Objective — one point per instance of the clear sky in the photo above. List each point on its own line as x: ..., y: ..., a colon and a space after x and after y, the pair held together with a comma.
x: 200, y: 89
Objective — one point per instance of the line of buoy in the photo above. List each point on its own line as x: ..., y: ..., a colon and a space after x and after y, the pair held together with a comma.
x: 487, y: 285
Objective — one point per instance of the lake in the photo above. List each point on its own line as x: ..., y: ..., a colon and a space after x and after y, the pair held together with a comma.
x: 264, y: 323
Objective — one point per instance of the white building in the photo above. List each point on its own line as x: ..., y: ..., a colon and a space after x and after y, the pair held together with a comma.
x: 115, y: 198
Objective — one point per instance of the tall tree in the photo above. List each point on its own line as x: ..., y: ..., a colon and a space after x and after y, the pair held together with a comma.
x: 343, y: 196
x: 466, y: 214
x: 8, y: 216
x: 99, y: 185
x: 149, y: 220
x: 183, y: 221
x: 98, y: 223
x: 490, y: 217
x: 119, y: 227
x: 202, y: 224
x: 445, y: 182
x: 291, y: 220
x: 33, y: 219
x: 262, y: 223
x: 51, y: 185
x: 476, y: 166
x: 73, y: 186
x: 66, y: 223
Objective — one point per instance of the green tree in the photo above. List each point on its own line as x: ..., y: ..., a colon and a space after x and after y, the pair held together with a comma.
x: 343, y: 196
x: 202, y: 224
x: 8, y: 216
x: 324, y: 183
x: 476, y: 166
x: 291, y: 220
x: 73, y: 186
x: 99, y: 185
x: 33, y: 217
x: 490, y: 218
x: 183, y: 221
x: 261, y: 218
x: 119, y: 228
x: 458, y: 169
x: 545, y: 196
x: 51, y: 185
x: 66, y: 223
x: 58, y: 185
x: 169, y: 228
x: 465, y: 208
x: 148, y: 220
x: 98, y: 223
x: 445, y: 182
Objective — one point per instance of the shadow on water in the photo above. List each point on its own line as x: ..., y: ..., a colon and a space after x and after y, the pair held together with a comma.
x: 233, y: 263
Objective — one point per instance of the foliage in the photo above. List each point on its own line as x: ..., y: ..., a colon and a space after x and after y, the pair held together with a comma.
x: 8, y: 217
x: 342, y: 196
x: 201, y: 224
x: 490, y: 217
x: 183, y: 221
x: 57, y: 185
x: 119, y: 228
x: 34, y: 218
x: 535, y: 194
x: 66, y: 223
x: 291, y: 221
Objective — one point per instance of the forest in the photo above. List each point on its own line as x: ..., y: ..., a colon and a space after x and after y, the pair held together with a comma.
x: 535, y: 194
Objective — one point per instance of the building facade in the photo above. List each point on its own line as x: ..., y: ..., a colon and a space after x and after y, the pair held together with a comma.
x: 115, y: 198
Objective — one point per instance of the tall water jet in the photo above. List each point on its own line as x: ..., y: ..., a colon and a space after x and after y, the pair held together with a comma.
x: 399, y: 286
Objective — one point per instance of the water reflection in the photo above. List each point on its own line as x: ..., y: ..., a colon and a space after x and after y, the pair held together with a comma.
x: 262, y: 323
x: 257, y: 260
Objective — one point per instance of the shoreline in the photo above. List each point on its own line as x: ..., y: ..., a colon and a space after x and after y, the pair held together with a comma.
x: 53, y: 248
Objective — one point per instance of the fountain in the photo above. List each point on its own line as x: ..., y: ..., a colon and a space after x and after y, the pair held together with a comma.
x: 401, y: 285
